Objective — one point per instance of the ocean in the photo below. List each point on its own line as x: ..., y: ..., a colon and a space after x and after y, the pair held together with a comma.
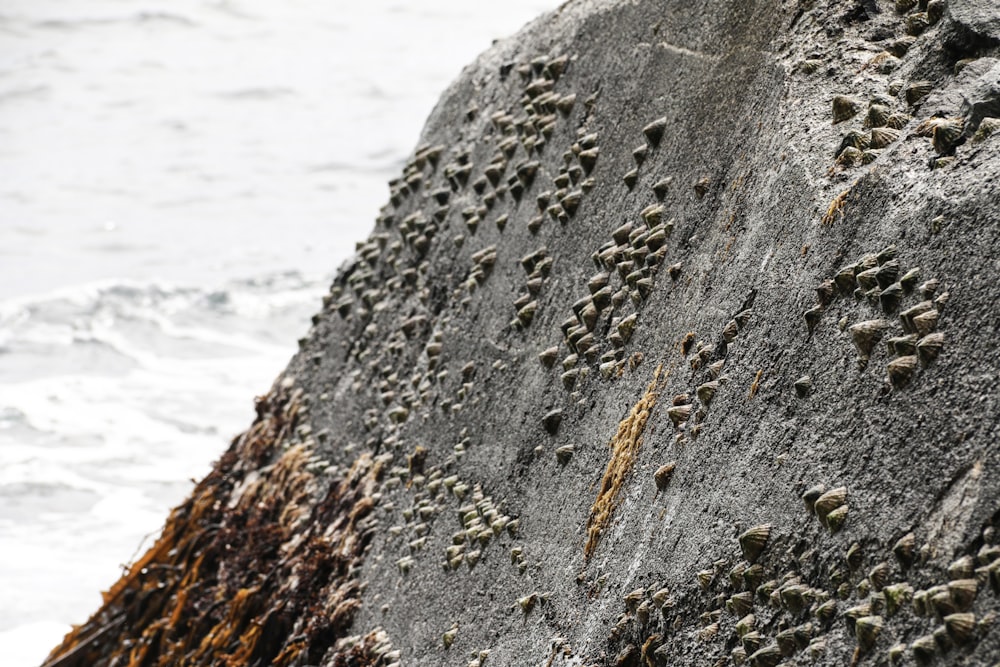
x: 179, y: 180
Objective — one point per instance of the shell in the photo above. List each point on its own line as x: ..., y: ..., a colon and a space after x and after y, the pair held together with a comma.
x: 626, y: 327
x: 754, y: 540
x: 909, y: 280
x: 812, y: 495
x: 679, y: 414
x: 897, y: 121
x: 855, y: 139
x: 941, y: 301
x: 652, y: 214
x: 701, y: 186
x: 729, y: 331
x: 812, y: 317
x: 925, y: 323
x: 830, y: 501
x: 879, y: 576
x: 961, y: 627
x: 917, y: 90
x: 899, y: 47
x: 786, y: 642
x: 630, y: 178
x: 844, y: 108
x: 896, y: 596
x: 752, y: 576
x: 745, y: 625
x: 588, y: 159
x: 639, y: 154
x: 924, y: 649
x: 564, y: 454
x: 887, y: 273
x: 705, y: 578
x: 663, y: 475
x: 929, y: 347
x: 946, y: 135
x: 883, y: 136
x: 845, y: 280
x: 706, y: 392
x: 654, y: 131
x: 866, y: 334
x: 660, y: 597
x: 936, y: 599
x: 916, y: 23
x: 850, y: 157
x: 878, y: 115
x: 565, y: 104
x: 826, y: 611
x: 661, y: 187
x: 963, y: 592
x: 854, y: 556
x: 901, y: 370
x: 890, y: 298
x: 943, y: 639
x: 835, y: 519
x: 902, y: 345
x: 988, y: 127
x: 769, y: 656
x: 803, y: 386
x: 867, y: 279
x: 740, y: 604
x: 867, y: 630
x: 751, y: 641
x: 929, y: 288
x: 528, y: 602
x: 552, y: 420
x: 907, y: 316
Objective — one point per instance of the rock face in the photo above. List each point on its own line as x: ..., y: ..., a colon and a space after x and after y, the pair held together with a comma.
x: 646, y: 362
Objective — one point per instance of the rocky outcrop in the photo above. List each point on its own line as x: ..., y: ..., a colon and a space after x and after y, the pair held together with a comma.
x: 674, y: 345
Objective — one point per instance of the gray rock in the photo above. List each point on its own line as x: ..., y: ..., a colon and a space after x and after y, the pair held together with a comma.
x: 975, y: 24
x: 408, y: 475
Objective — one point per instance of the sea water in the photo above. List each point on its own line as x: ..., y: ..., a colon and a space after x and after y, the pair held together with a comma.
x: 179, y: 179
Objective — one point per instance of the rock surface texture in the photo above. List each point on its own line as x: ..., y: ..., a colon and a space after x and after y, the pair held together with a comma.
x: 675, y: 345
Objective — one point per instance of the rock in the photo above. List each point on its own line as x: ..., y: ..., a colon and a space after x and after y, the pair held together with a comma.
x: 973, y: 25
x: 436, y: 499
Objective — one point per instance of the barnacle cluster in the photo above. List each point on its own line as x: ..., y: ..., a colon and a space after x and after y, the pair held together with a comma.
x: 878, y: 280
x: 881, y: 126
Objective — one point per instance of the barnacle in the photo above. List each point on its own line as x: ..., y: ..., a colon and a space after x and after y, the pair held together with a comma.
x: 564, y: 454
x: 961, y: 627
x: 843, y: 108
x: 878, y: 115
x: 883, y: 136
x: 901, y: 370
x: 829, y: 501
x: 924, y: 649
x: 929, y: 347
x: 753, y: 541
x: 866, y: 334
x: 867, y: 630
x: 663, y: 475
x: 769, y: 656
x: 947, y: 134
x: 835, y: 518
x: 654, y: 131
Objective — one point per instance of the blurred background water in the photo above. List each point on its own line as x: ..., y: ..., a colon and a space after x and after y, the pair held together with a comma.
x: 178, y: 181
